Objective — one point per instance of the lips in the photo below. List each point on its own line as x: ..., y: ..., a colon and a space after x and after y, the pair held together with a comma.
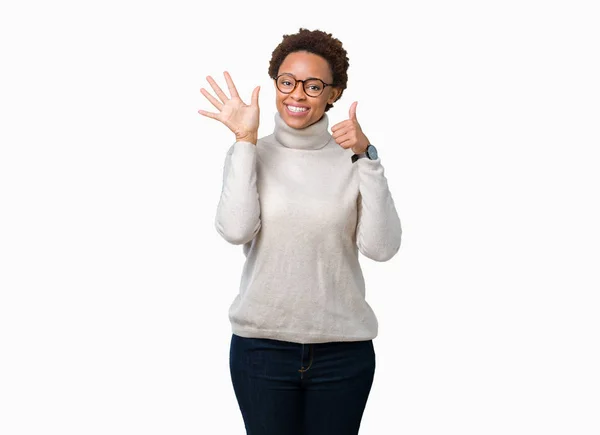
x: 298, y: 105
x: 292, y: 113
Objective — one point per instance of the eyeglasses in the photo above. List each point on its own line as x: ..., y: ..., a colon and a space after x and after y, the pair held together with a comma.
x: 312, y: 87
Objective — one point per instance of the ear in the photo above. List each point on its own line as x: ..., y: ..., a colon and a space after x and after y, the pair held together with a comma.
x: 335, y: 94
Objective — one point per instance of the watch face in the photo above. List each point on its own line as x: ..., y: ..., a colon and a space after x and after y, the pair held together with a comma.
x: 372, y: 152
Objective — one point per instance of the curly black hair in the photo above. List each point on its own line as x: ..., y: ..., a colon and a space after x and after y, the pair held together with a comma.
x: 316, y: 42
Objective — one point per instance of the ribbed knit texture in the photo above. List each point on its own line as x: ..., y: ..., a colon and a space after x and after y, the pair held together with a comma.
x: 303, y: 211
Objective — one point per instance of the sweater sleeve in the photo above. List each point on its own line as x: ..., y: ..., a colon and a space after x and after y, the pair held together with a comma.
x: 378, y: 230
x: 238, y: 212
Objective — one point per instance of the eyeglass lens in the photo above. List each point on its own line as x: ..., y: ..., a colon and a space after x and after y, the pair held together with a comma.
x: 313, y: 87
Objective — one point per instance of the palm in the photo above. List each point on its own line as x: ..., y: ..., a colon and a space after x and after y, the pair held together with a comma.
x: 239, y: 117
x: 242, y: 119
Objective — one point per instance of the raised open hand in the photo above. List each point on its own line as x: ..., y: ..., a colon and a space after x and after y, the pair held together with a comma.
x: 240, y: 118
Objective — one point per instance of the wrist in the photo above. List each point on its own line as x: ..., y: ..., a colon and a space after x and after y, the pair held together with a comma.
x: 361, y: 146
x: 361, y: 149
x: 370, y: 153
x: 250, y: 137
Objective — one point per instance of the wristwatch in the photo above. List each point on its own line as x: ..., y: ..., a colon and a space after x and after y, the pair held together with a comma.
x: 371, y: 154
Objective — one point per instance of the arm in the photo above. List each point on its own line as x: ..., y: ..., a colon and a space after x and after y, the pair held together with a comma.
x: 378, y: 230
x: 238, y: 213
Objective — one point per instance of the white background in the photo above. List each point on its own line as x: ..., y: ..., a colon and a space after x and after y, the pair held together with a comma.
x: 115, y: 285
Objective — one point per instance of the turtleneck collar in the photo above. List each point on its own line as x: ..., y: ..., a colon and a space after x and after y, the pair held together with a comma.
x: 313, y: 137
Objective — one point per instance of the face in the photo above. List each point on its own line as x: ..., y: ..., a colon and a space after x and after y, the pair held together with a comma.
x: 303, y: 65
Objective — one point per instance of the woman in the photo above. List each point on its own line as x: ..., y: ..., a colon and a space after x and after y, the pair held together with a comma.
x: 302, y: 202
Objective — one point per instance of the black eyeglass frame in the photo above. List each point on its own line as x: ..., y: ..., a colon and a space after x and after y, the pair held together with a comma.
x: 297, y: 81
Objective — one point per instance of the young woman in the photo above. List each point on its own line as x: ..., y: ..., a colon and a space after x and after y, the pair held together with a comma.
x: 303, y: 202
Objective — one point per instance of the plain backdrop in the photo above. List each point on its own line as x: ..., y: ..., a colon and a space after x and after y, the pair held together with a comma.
x: 115, y: 285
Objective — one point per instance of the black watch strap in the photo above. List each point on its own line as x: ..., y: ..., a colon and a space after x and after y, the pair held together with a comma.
x: 371, y: 154
x: 355, y: 157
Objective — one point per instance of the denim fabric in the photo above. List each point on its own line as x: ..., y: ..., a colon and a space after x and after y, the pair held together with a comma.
x: 286, y: 388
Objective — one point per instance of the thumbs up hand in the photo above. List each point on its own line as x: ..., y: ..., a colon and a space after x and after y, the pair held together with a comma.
x: 348, y: 133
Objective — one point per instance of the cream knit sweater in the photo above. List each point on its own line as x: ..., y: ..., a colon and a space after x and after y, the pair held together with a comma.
x: 302, y: 211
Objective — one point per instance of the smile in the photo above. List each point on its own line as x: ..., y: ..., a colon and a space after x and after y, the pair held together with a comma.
x: 296, y: 109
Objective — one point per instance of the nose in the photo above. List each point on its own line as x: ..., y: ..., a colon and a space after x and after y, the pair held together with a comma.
x: 298, y: 92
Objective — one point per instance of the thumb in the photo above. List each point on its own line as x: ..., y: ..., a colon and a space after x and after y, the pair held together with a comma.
x: 255, y: 96
x: 353, y: 111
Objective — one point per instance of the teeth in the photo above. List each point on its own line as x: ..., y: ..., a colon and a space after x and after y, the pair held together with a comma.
x: 297, y: 109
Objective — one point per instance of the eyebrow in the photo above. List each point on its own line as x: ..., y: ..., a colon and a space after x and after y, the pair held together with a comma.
x: 309, y: 78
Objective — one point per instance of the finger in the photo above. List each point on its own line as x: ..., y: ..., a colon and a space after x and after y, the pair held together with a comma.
x: 217, y: 89
x: 341, y: 132
x: 348, y: 143
x: 342, y: 138
x: 212, y: 99
x: 336, y: 126
x: 255, y: 96
x: 353, y: 111
x: 339, y: 125
x: 209, y: 114
x: 232, y: 89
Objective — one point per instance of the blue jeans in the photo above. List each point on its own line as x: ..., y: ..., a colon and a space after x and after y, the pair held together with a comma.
x: 286, y: 388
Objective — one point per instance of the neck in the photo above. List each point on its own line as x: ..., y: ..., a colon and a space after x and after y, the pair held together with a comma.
x: 313, y: 137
